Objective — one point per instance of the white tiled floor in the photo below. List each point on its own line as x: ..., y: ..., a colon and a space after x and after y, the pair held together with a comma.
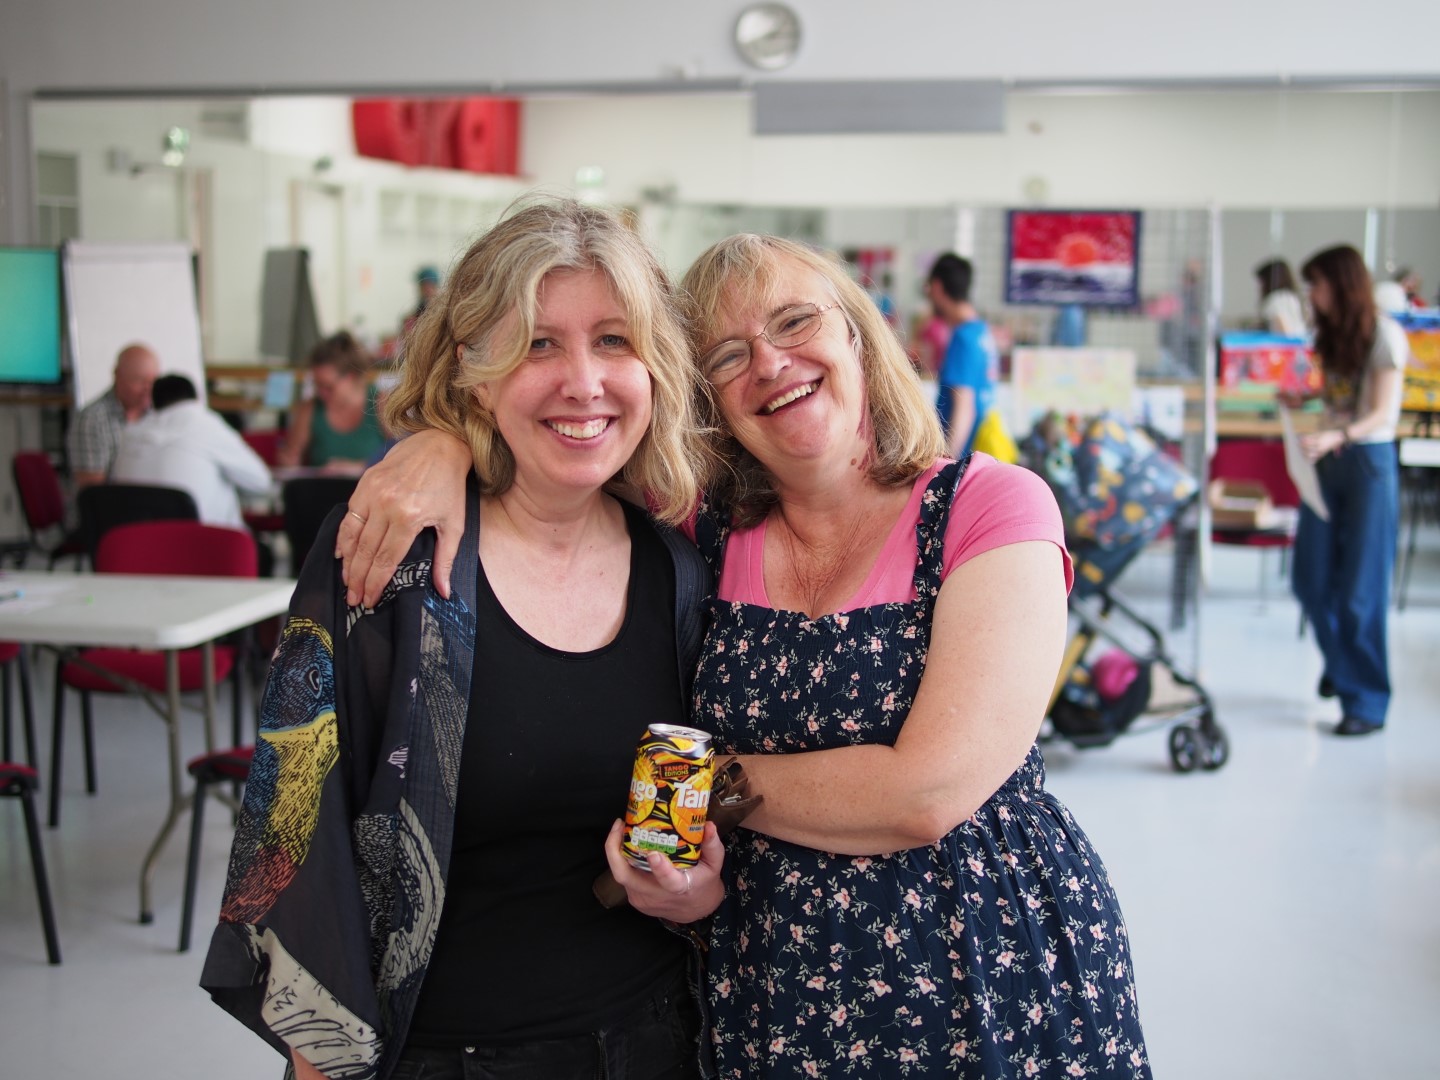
x: 1282, y: 910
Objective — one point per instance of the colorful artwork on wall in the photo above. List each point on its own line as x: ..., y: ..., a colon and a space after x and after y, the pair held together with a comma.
x: 1089, y: 257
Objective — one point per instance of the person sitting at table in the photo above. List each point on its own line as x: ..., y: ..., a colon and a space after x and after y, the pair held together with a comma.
x: 338, y: 425
x: 95, y: 433
x: 182, y: 444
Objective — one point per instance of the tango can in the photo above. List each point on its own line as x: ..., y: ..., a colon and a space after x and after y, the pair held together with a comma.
x: 669, y: 795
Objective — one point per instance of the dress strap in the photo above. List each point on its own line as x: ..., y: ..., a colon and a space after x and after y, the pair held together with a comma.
x: 712, y: 529
x: 935, y: 506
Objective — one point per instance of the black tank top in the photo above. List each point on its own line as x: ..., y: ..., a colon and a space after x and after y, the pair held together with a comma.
x: 524, y: 950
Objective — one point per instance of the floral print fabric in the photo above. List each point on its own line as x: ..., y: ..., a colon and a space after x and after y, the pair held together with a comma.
x: 997, y: 952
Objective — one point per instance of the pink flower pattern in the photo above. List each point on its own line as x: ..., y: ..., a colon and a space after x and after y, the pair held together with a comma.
x: 997, y: 952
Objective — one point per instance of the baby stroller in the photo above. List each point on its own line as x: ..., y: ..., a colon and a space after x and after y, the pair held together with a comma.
x: 1117, y: 491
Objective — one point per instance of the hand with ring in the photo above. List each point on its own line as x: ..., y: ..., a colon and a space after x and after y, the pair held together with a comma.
x: 418, y: 485
x: 680, y: 894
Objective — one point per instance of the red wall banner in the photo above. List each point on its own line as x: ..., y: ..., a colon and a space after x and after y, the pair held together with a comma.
x: 476, y: 134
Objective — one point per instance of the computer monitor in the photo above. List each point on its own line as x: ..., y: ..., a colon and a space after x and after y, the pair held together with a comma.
x: 30, y: 315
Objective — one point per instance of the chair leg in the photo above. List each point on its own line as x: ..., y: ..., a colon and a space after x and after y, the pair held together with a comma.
x: 42, y: 881
x: 192, y: 863
x: 87, y: 714
x: 237, y: 697
x: 6, y: 750
x: 27, y: 708
x: 1402, y: 579
x: 57, y: 742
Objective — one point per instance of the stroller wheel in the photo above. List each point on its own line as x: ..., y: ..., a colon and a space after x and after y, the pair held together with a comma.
x: 1185, y: 751
x: 1215, y: 749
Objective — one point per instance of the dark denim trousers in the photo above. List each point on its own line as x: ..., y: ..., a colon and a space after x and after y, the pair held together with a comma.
x: 657, y: 1041
x: 1342, y: 573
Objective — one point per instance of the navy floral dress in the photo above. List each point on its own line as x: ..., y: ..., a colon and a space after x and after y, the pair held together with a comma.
x: 999, y: 951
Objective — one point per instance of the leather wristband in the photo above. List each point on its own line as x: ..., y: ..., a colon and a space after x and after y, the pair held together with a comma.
x: 731, y: 800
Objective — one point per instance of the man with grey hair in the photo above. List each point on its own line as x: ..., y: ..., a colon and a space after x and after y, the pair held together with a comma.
x: 95, y: 433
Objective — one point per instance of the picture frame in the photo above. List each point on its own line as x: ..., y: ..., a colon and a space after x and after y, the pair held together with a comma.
x: 1085, y: 257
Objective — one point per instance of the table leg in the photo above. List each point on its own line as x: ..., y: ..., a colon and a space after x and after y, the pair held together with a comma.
x: 178, y: 800
x: 207, y: 658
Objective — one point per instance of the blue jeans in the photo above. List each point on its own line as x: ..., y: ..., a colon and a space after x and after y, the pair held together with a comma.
x: 659, y: 1040
x: 1342, y: 573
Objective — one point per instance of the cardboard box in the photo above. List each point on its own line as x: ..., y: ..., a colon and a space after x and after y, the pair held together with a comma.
x: 1241, y: 504
x: 1265, y: 363
x: 1422, y: 374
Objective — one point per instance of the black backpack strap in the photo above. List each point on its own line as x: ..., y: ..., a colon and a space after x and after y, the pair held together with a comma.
x: 693, y: 585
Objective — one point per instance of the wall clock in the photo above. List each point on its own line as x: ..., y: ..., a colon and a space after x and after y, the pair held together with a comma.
x: 768, y: 35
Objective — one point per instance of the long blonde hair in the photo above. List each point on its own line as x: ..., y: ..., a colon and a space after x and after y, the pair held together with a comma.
x: 743, y: 272
x: 488, y: 307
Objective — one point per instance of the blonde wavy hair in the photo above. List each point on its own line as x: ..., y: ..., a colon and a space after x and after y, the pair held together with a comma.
x: 745, y: 272
x: 487, y: 308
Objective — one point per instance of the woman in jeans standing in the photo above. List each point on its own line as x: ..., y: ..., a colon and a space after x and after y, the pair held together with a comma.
x: 1343, y: 565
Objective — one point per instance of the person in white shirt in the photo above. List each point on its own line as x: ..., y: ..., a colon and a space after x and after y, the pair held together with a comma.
x: 1281, y: 309
x: 183, y: 444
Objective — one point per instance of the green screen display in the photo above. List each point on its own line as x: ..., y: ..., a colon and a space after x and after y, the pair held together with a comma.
x: 29, y: 315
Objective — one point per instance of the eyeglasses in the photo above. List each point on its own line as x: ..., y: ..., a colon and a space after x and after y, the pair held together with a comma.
x: 793, y: 326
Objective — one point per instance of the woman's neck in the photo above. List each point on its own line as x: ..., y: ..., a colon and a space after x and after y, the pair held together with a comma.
x: 347, y: 401
x: 559, y: 569
x: 551, y: 524
x: 822, y: 543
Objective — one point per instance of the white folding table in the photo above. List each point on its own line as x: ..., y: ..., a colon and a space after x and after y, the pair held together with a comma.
x: 166, y: 613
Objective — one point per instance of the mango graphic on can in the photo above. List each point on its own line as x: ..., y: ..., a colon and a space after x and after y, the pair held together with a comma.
x: 669, y: 795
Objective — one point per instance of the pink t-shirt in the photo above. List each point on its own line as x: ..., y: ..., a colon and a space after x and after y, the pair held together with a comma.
x: 997, y: 504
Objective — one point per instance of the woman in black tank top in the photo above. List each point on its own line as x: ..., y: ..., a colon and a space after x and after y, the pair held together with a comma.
x: 411, y: 888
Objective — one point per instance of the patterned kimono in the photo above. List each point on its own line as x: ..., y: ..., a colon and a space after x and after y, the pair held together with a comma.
x: 337, y: 874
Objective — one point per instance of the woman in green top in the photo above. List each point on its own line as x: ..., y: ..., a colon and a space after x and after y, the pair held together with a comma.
x: 339, y: 425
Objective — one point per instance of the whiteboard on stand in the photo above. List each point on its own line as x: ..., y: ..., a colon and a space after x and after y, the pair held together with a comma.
x: 124, y: 294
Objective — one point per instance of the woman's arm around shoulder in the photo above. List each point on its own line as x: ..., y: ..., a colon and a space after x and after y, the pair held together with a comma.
x: 420, y: 483
x: 997, y: 638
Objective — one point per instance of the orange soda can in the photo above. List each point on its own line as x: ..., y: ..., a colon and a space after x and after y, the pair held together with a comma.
x: 669, y: 795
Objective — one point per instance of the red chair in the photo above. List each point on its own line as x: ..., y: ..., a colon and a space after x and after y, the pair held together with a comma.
x: 20, y: 782
x: 267, y: 445
x: 151, y: 547
x: 1261, y: 461
x: 43, y: 503
x: 222, y: 766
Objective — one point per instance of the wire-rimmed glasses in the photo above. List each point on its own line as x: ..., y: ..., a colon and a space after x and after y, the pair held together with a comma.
x: 793, y: 326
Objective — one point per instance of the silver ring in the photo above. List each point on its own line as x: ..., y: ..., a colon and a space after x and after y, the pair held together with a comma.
x: 688, y: 882
x: 356, y: 516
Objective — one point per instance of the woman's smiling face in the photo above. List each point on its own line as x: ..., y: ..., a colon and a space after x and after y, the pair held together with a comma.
x: 575, y: 409
x: 802, y: 403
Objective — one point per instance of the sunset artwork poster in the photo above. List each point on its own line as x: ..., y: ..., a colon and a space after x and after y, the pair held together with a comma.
x: 1089, y: 257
